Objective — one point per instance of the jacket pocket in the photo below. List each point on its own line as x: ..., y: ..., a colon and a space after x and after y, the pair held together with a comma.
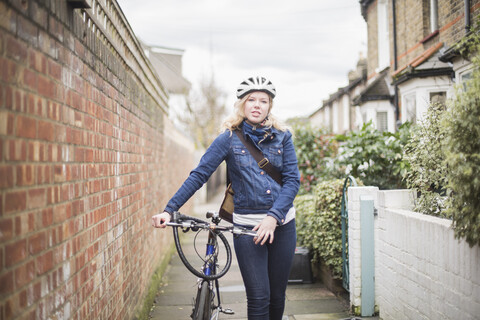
x: 242, y: 156
x: 275, y: 155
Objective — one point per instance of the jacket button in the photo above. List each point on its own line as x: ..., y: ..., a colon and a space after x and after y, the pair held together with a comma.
x: 262, y: 173
x: 279, y: 151
x: 268, y: 191
x: 283, y: 220
x: 243, y: 151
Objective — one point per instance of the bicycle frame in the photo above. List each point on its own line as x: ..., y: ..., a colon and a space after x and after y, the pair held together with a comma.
x: 204, y: 307
x: 209, y: 266
x: 209, y: 269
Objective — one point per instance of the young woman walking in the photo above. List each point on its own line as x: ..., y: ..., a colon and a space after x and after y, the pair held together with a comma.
x: 260, y: 202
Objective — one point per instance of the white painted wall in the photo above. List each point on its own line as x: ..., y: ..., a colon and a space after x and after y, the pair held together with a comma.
x: 335, y: 113
x: 346, y: 113
x: 421, y: 270
x: 369, y: 112
x: 321, y: 118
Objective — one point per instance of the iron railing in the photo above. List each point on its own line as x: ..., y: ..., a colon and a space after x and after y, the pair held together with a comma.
x: 344, y: 216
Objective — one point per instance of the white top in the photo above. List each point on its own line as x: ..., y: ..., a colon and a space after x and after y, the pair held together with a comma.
x: 254, y: 219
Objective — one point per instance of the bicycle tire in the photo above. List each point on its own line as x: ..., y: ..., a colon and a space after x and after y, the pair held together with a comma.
x: 203, y: 303
x: 197, y: 273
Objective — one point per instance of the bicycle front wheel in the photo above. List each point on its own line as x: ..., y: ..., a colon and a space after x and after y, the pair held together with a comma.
x: 203, y: 303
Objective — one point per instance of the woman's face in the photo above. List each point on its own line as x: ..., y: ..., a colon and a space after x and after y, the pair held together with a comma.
x: 256, y: 107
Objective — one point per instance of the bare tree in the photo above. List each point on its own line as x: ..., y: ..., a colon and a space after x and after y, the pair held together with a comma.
x: 205, y: 112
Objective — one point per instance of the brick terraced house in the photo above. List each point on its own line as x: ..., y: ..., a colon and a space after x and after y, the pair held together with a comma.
x: 411, y: 45
x: 412, y: 59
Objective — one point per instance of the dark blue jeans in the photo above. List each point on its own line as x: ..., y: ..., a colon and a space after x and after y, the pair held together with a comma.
x: 265, y: 271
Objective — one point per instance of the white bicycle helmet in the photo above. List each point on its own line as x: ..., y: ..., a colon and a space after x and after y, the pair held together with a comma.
x: 256, y: 84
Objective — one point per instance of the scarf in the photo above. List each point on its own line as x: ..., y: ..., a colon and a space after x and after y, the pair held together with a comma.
x: 257, y: 133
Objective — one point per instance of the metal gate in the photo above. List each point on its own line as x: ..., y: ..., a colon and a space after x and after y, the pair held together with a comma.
x: 349, y: 181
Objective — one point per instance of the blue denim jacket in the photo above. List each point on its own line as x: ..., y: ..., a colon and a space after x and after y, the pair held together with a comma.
x: 255, y: 191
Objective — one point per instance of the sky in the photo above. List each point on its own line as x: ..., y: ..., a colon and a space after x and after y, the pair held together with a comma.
x: 305, y: 47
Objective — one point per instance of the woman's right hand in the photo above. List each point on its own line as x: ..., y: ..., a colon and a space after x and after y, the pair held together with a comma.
x: 160, y: 220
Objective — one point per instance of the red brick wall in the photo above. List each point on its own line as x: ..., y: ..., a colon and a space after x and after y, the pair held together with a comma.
x: 84, y: 163
x: 410, y: 31
x: 413, y: 26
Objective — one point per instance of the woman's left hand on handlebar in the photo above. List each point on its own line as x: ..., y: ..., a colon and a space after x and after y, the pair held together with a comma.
x: 160, y: 220
x: 265, y: 230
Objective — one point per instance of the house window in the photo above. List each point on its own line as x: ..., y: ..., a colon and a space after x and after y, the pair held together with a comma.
x: 382, y: 121
x: 438, y: 97
x: 383, y: 37
x: 464, y: 77
x: 411, y: 108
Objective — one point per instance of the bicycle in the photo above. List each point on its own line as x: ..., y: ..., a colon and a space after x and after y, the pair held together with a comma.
x: 204, y: 306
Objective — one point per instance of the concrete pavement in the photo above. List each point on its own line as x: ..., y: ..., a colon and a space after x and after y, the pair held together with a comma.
x: 175, y: 296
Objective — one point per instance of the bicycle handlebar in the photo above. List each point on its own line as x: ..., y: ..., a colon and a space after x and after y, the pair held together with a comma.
x: 186, y: 222
x: 191, y: 222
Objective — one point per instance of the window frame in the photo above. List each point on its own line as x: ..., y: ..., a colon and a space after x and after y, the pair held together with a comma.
x: 383, y: 38
x: 381, y: 124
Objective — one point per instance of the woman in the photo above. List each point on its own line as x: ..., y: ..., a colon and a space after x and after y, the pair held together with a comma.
x: 260, y: 203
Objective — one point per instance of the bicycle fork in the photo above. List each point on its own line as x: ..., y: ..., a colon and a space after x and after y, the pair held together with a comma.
x: 210, y: 268
x: 210, y: 261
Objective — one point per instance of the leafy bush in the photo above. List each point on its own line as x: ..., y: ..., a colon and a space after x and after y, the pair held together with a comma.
x: 305, y: 208
x: 444, y: 155
x: 427, y: 174
x: 462, y: 150
x: 316, y: 152
x: 375, y: 157
x: 319, y: 224
x: 367, y: 154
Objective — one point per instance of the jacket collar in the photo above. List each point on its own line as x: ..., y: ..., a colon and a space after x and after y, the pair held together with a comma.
x: 258, y: 134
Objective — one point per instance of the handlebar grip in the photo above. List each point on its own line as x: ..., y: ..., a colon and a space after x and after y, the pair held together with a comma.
x: 177, y: 217
x: 244, y: 231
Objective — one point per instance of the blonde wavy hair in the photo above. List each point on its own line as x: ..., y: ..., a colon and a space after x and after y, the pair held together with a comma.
x: 233, y: 121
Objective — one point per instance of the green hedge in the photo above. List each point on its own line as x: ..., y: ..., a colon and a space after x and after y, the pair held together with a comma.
x: 319, y: 224
x: 316, y: 154
x: 462, y: 149
x: 375, y: 157
x: 444, y: 154
x: 424, y: 152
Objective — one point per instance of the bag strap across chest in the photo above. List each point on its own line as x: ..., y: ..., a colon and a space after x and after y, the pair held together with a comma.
x: 261, y: 160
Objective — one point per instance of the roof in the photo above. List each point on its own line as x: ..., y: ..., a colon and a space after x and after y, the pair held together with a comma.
x: 378, y: 89
x: 167, y: 62
x: 427, y: 64
x: 340, y: 92
x: 364, y: 7
x: 456, y: 49
x: 418, y: 60
x: 344, y: 90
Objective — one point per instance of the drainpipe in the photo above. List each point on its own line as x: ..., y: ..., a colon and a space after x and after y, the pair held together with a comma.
x: 467, y: 15
x: 395, y: 62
